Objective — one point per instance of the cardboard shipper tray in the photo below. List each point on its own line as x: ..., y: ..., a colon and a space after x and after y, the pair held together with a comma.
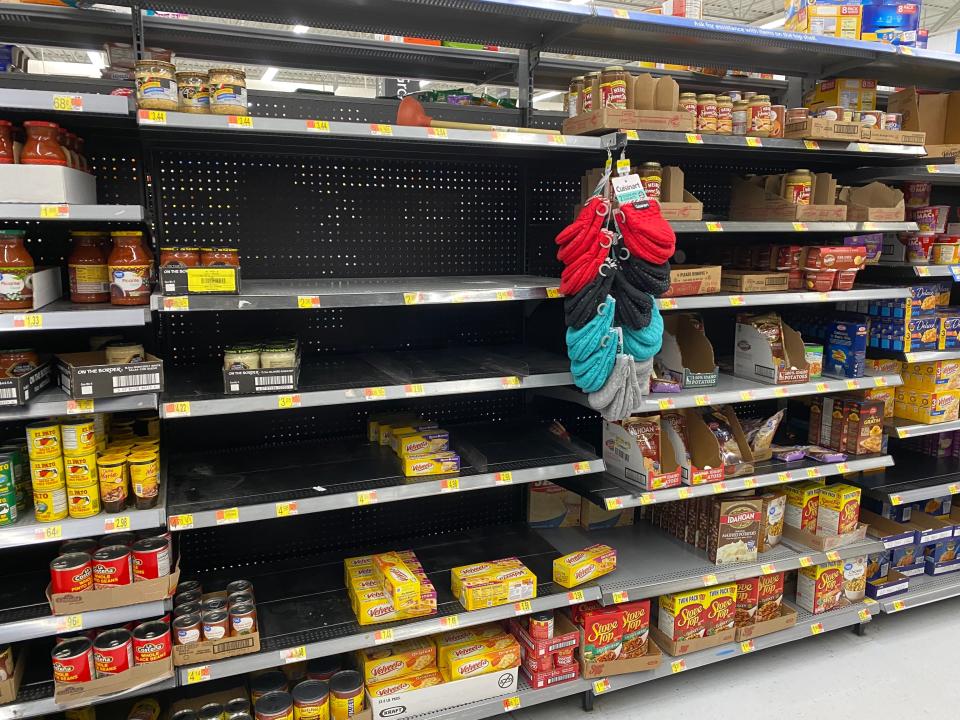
x: 675, y: 202
x: 620, y: 666
x: 178, y: 280
x: 20, y: 390
x: 11, y: 686
x: 786, y: 619
x: 86, y: 375
x: 875, y: 202
x: 761, y: 198
x: 244, y: 382
x: 139, y: 592
x: 682, y: 647
x: 936, y: 115
x: 753, y: 356
x: 895, y: 583
x: 824, y: 542
x: 140, y: 676
x: 653, y: 105
x: 624, y: 458
x: 688, y: 280
x: 445, y: 695
x: 206, y: 651
x: 687, y: 353
x: 706, y: 463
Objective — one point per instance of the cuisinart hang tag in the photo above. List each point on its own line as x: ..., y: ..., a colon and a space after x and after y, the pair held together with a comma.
x: 629, y: 189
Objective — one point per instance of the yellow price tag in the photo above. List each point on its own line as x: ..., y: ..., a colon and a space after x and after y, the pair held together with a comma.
x: 522, y: 608
x: 153, y: 117
x: 806, y: 561
x: 54, y: 212
x: 864, y: 615
x: 437, y: 132
x: 180, y: 522
x: 853, y: 384
x: 954, y: 488
x: 75, y: 407
x: 575, y: 596
x: 753, y: 142
x: 240, y: 121
x: 179, y: 303
x: 620, y: 13
x: 811, y: 144
x: 367, y: 497
x: 701, y: 399
x: 694, y: 139
x: 647, y: 498
x: 511, y: 381
x: 450, y: 485
x: 821, y: 387
x: 842, y: 468
x: 678, y: 666
x: 308, y: 302
x: 665, y: 403
x: 880, y: 381
x: 556, y: 140
x: 750, y: 482
x: 294, y: 654
x: 784, y: 476
x: 318, y: 126
x: 503, y: 478
x: 374, y: 392
x: 737, y: 300
x: 381, y: 129
x: 709, y: 580
x: 898, y: 605
x: 922, y: 270
x: 198, y: 674
x: 553, y: 293
x: 505, y: 295
x: 285, y: 402
x: 768, y: 569
x: 833, y: 556
x: 116, y: 524
x: 48, y: 532
x: 601, y: 686
x: 69, y: 623
x: 863, y: 147
x: 813, y: 472
x: 68, y: 103
x: 668, y: 304
x: 449, y: 622
x: 382, y: 636
x: 933, y: 168
x: 683, y: 493
x: 581, y: 467
x: 228, y: 516
x: 746, y: 646
x: 511, y: 703
x: 33, y: 321
x: 720, y: 487
x: 176, y: 409
x: 896, y: 500
x: 413, y: 390
x: 816, y: 628
x: 714, y: 226
x: 411, y: 298
x: 632, y: 135
x: 800, y: 227
x: 614, y: 503
x: 620, y: 597
x: 286, y: 509
x: 623, y: 167
x: 904, y: 50
x: 780, y: 392
x: 746, y: 395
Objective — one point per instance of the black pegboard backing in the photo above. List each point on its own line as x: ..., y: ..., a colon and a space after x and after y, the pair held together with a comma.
x: 296, y: 215
x: 116, y: 163
x: 553, y: 194
x: 340, y: 533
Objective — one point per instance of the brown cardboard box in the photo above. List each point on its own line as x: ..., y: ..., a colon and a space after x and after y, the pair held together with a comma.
x: 693, y: 280
x: 875, y: 202
x: 682, y: 647
x: 706, y: 464
x: 823, y: 543
x: 210, y: 650
x: 644, y: 88
x: 139, y: 592
x: 607, y: 120
x: 936, y: 114
x: 787, y: 619
x: 675, y: 202
x: 591, y: 668
x: 759, y: 198
x: 624, y: 457
x: 880, y: 136
x: 753, y: 281
x: 753, y: 358
x: 822, y: 129
x: 550, y: 505
x: 79, y: 694
x: 686, y: 353
x: 11, y: 686
x: 221, y: 697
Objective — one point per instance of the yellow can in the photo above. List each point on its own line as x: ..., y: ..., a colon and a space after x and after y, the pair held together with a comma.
x: 144, y: 473
x: 43, y: 440
x: 114, y: 481
x: 49, y: 505
x: 120, y: 447
x: 81, y: 470
x: 83, y: 501
x: 78, y: 436
x: 48, y: 474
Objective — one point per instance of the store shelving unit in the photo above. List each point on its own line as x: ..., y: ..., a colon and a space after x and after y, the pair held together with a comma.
x: 761, y: 226
x: 75, y: 213
x: 908, y: 428
x: 65, y: 315
x: 940, y: 174
x: 53, y: 402
x: 27, y: 531
x: 36, y: 621
x: 915, y: 477
x: 35, y: 699
x: 924, y: 589
x: 725, y: 300
x: 908, y: 270
x: 919, y: 356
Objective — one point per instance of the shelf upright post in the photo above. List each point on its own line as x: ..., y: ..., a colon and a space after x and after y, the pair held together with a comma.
x: 136, y: 30
x: 529, y: 59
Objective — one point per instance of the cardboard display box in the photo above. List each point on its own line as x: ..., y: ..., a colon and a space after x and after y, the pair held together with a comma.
x: 682, y: 647
x: 549, y: 505
x: 221, y: 697
x: 814, y: 128
x: 686, y: 353
x: 86, y: 375
x: 620, y: 666
x: 892, y: 533
x: 176, y: 280
x: 823, y: 543
x: 47, y: 184
x: 607, y: 120
x: 893, y: 584
x: 937, y: 115
x: 754, y: 281
x: 624, y: 458
x: 445, y: 695
x: 261, y: 380
x: 11, y: 686
x: 760, y: 198
x: 753, y: 358
x: 206, y: 651
x: 140, y: 676
x: 787, y: 619
x: 929, y: 528
x: 880, y: 136
x: 20, y: 390
x: 875, y: 202
x: 139, y: 592
x: 675, y: 202
x: 693, y: 280
x: 706, y: 463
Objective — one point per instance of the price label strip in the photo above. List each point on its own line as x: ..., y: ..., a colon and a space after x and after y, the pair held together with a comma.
x: 69, y: 623
x: 511, y: 703
x: 601, y: 686
x: 678, y: 666
x: 620, y: 597
x: 228, y: 516
x: 176, y: 409
x: 449, y: 622
x: 523, y: 608
x: 614, y: 503
x: 116, y: 524
x: 198, y: 674
x: 180, y: 522
x: 68, y: 103
x: 503, y: 478
x: 75, y: 407
x: 746, y: 646
x: 383, y: 636
x: 575, y: 596
x: 367, y: 497
x: 49, y: 532
x: 294, y: 654
x: 286, y: 509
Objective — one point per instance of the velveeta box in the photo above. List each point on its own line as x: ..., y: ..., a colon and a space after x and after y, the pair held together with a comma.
x: 373, y: 606
x: 839, y: 509
x: 357, y: 568
x: 406, y: 683
x: 932, y: 376
x: 498, y: 588
x: 876, y: 366
x: 886, y: 395
x: 468, y: 572
x: 389, y: 662
x: 455, y: 638
x: 399, y: 431
x: 423, y: 442
x: 579, y: 567
x: 439, y: 463
x: 399, y: 583
x: 385, y: 429
x: 683, y: 616
x: 376, y: 420
x: 803, y: 501
x: 927, y: 407
x: 480, y: 658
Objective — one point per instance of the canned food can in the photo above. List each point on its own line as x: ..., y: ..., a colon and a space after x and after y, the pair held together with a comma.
x: 151, y: 558
x: 311, y: 700
x: 81, y: 713
x: 71, y: 573
x: 86, y: 545
x: 50, y: 505
x: 144, y: 709
x: 540, y: 625
x: 48, y: 473
x: 891, y: 121
x: 121, y: 538
x: 8, y: 474
x: 83, y: 502
x: 243, y: 619
x: 237, y: 706
x: 187, y: 628
x: 114, y: 482
x: 112, y: 567
x: 91, y: 635
x: 21, y: 475
x: 872, y: 118
x: 73, y: 661
x: 239, y: 598
x: 324, y: 668
x: 81, y: 469
x: 187, y: 609
x: 185, y: 586
x: 214, y: 603
x: 151, y: 642
x: 43, y: 440
x: 266, y: 683
x: 216, y: 624
x: 185, y: 714
x: 211, y: 711
x: 274, y: 706
x: 184, y: 598
x: 78, y: 436
x: 239, y: 586
x: 113, y: 652
x: 8, y: 507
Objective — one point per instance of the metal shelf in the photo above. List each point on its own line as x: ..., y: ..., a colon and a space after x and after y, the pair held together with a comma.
x: 810, y: 149
x: 924, y: 589
x: 695, y: 302
x: 915, y: 477
x: 53, y: 401
x: 366, y: 292
x: 939, y: 174
x: 48, y: 625
x: 918, y: 356
x: 205, y: 490
x: 763, y: 226
x: 307, y: 609
x: 731, y: 389
x: 27, y: 531
x: 908, y: 428
x: 612, y: 493
x: 65, y: 315
x: 911, y: 270
x: 651, y: 563
x: 373, y: 377
x: 77, y: 213
x: 65, y: 103
x: 36, y: 699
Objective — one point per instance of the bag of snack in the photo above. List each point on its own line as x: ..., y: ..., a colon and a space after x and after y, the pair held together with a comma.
x: 760, y: 432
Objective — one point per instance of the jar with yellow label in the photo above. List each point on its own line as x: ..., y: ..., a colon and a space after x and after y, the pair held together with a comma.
x: 47, y: 474
x: 81, y: 469
x: 114, y: 482
x: 759, y: 116
x: 707, y: 113
x: 145, y: 478
x: 651, y: 177
x: 740, y: 117
x: 156, y: 85
x: 228, y: 91
x: 83, y: 501
x: 798, y: 186
x: 49, y: 505
x: 346, y: 694
x: 589, y: 101
x: 194, y: 94
x: 688, y: 102
x: 613, y: 87
x: 724, y: 115
x: 43, y: 440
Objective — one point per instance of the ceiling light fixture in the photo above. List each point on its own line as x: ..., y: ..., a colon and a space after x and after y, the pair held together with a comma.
x: 300, y: 29
x: 96, y: 59
x: 546, y: 95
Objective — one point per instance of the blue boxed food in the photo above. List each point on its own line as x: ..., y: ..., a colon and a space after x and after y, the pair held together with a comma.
x: 844, y: 351
x: 890, y: 585
x: 897, y: 513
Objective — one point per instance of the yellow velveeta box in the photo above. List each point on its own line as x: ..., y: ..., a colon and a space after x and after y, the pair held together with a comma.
x: 498, y: 588
x: 927, y: 407
x: 373, y: 606
x: 439, y: 463
x: 480, y: 658
x: 423, y: 442
x: 881, y: 366
x: 579, y: 567
x: 466, y: 572
x: 377, y: 419
x: 425, y: 679
x: 399, y: 431
x: 384, y: 429
x: 357, y: 568
x: 388, y: 662
x: 398, y: 581
x: 467, y: 635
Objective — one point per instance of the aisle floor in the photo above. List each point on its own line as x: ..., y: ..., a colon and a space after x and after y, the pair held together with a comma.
x: 833, y: 674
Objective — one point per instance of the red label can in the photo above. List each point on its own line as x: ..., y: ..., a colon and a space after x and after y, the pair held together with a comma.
x: 73, y: 661
x: 113, y: 652
x: 112, y: 566
x: 71, y: 573
x: 151, y: 558
x: 151, y: 642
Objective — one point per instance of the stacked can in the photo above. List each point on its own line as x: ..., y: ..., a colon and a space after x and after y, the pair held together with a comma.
x: 130, y: 459
x: 16, y: 448
x: 44, y: 447
x: 78, y: 438
x: 8, y: 490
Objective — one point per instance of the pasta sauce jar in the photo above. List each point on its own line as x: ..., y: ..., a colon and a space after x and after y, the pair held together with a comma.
x: 130, y: 268
x: 42, y: 145
x: 16, y: 272
x: 87, y: 268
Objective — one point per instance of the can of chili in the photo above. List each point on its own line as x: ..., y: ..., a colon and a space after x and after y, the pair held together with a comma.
x: 187, y: 628
x: 73, y: 661
x: 243, y: 619
x: 185, y: 586
x: 274, y: 706
x: 211, y: 711
x: 151, y: 558
x: 71, y: 573
x: 216, y: 624
x: 113, y: 652
x: 240, y: 586
x: 187, y: 609
x: 112, y: 567
x: 151, y: 642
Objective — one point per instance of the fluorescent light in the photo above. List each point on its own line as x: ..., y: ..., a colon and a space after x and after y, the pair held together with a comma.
x: 269, y: 74
x: 580, y: 2
x: 779, y: 22
x: 96, y: 59
x: 300, y: 29
x: 546, y: 95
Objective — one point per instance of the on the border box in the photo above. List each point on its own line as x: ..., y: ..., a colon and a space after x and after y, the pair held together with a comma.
x: 11, y: 686
x: 687, y: 353
x: 261, y: 380
x: 205, y: 651
x: 85, y: 375
x: 682, y: 647
x: 159, y: 588
x: 895, y: 583
x: 20, y: 390
x: 607, y: 120
x: 179, y: 280
x: 787, y: 618
x: 445, y: 695
x: 139, y: 676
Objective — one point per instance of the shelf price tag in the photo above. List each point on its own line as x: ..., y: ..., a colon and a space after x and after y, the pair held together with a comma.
x: 746, y: 395
x: 933, y: 168
x: 505, y: 294
x: 581, y: 467
x: 954, y: 488
x: 511, y: 703
x: 623, y: 167
x: 511, y: 381
x: 784, y: 476
x: 896, y: 500
x: 411, y: 298
x: 33, y: 321
x: 614, y: 503
x: 286, y: 509
x: 69, y: 623
x: 821, y: 387
x: 377, y: 129
x: 921, y: 270
x: 709, y: 580
x: 68, y: 103
x: 54, y: 212
x: 450, y: 485
x: 955, y: 272
x: 701, y: 399
x: 720, y: 487
x: 239, y: 121
x: 863, y: 147
x: 437, y: 133
x: 556, y: 139
x: 694, y: 139
x: 811, y: 144
x: 842, y: 468
x: 228, y: 516
x: 898, y: 605
x: 816, y: 628
x: 620, y: 597
x: 180, y: 522
x: 176, y: 409
x: 294, y: 654
x: 116, y: 524
x: 768, y: 568
x: 318, y: 126
x: 622, y: 14
x: 648, y: 498
x: 737, y: 300
x: 553, y: 292
x: 813, y: 472
x: 668, y: 304
x: 806, y: 561
x: 503, y: 478
x: 374, y: 393
x: 367, y: 497
x: 449, y: 622
x: 678, y: 666
x: 800, y: 227
x: 308, y: 302
x: 523, y: 608
x: 76, y: 407
x: 833, y: 556
x: 285, y: 402
x: 713, y: 226
x: 753, y: 142
x: 382, y: 636
x: 750, y: 482
x: 665, y: 403
x: 179, y: 303
x: 864, y: 615
x: 49, y: 532
x: 880, y: 381
x: 632, y: 135
x: 780, y: 392
x: 413, y: 390
x: 198, y: 674
x: 683, y: 493
x: 601, y: 686
x: 152, y: 117
x: 746, y: 646
x: 575, y: 596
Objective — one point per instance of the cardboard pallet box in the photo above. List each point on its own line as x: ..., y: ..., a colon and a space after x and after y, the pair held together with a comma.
x: 761, y: 198
x: 686, y: 353
x: 652, y: 105
x: 875, y: 202
x: 936, y: 114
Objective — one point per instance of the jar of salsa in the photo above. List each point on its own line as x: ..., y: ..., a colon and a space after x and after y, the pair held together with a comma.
x: 64, y: 140
x: 651, y: 177
x: 87, y: 269
x: 6, y: 142
x: 16, y: 272
x: 42, y: 145
x: 224, y: 256
x: 179, y: 257
x: 14, y: 363
x: 129, y: 266
x: 78, y: 146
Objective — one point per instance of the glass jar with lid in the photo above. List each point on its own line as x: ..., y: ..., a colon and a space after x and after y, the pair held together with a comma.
x: 591, y: 82
x: 6, y: 143
x: 707, y: 113
x: 759, y: 116
x: 613, y: 87
x: 651, y: 177
x: 193, y: 91
x: 574, y: 96
x: 241, y: 356
x: 228, y: 91
x: 16, y: 271
x: 42, y: 144
x: 130, y: 265
x: 156, y: 85
x: 278, y: 354
x: 724, y: 115
x: 89, y: 277
x: 219, y: 257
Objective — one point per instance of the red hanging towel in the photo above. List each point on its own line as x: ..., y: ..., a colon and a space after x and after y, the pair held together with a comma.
x: 645, y: 233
